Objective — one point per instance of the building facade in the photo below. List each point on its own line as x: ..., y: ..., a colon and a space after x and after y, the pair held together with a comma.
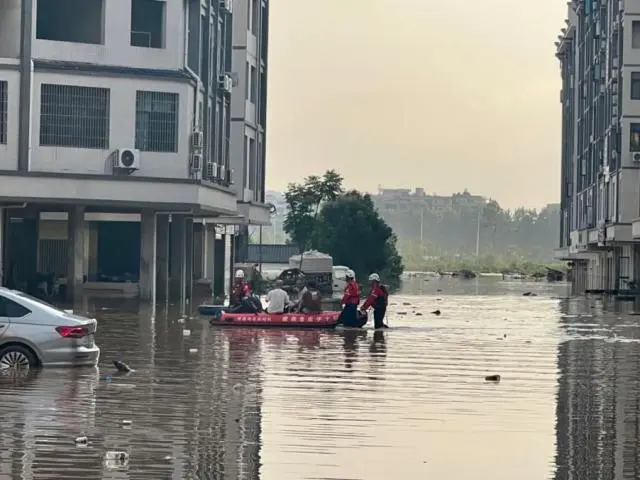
x: 599, y: 53
x: 121, y: 108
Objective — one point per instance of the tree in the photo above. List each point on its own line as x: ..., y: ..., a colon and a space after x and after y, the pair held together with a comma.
x: 351, y: 231
x: 304, y: 201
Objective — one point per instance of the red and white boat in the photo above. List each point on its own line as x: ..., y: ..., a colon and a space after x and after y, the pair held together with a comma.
x: 283, y: 320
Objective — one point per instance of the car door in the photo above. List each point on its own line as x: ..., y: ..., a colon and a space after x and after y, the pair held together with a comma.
x: 4, y: 320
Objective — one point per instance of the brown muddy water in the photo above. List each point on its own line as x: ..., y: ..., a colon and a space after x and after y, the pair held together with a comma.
x: 409, y: 403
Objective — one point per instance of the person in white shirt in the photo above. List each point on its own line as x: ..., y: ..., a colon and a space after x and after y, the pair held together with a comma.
x: 278, y: 299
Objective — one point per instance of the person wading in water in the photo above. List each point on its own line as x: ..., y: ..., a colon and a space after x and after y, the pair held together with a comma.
x: 378, y: 299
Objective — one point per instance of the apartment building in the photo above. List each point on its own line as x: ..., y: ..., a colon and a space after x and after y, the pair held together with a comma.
x: 115, y: 113
x: 599, y: 53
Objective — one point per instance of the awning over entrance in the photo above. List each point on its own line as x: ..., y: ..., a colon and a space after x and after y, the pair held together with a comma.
x: 96, y: 190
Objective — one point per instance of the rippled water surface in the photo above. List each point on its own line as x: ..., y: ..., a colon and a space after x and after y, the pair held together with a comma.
x: 408, y: 403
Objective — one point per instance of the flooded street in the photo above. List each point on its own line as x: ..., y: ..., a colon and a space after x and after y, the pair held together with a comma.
x: 409, y: 403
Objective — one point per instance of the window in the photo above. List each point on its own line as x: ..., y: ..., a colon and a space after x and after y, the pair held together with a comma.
x: 247, y: 82
x: 77, y: 21
x: 635, y: 85
x: 147, y: 23
x: 254, y: 85
x: 635, y: 34
x: 73, y: 116
x: 157, y: 121
x: 252, y: 164
x: 255, y: 16
x: 634, y: 137
x: 4, y: 104
x: 11, y: 309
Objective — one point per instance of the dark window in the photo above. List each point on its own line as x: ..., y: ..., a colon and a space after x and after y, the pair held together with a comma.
x: 4, y: 104
x: 254, y: 85
x: 74, y: 116
x: 157, y: 121
x: 635, y: 34
x: 634, y: 137
x: 77, y: 21
x: 147, y: 23
x: 635, y: 85
x: 11, y: 309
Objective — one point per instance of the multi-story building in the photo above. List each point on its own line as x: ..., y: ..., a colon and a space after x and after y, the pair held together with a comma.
x: 599, y: 53
x: 115, y: 119
x: 249, y: 106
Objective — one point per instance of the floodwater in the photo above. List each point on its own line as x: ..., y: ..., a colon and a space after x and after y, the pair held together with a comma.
x: 408, y: 403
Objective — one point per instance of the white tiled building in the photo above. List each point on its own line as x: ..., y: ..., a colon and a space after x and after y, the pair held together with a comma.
x: 599, y: 53
x: 121, y: 111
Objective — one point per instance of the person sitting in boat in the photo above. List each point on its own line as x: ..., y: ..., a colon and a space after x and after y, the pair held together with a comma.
x: 350, y: 316
x: 278, y: 299
x: 241, y: 300
x: 378, y: 299
x: 311, y: 300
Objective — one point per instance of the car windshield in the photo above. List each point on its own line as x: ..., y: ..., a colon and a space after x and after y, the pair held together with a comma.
x: 38, y: 301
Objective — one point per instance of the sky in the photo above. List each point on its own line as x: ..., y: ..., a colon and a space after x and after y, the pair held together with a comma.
x: 444, y: 95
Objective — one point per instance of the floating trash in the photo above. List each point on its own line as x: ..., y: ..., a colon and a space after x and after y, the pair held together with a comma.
x: 193, y: 350
x: 82, y: 441
x: 186, y: 332
x: 127, y: 422
x: 492, y: 378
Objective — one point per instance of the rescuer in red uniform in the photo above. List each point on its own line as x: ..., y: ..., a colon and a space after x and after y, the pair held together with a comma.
x: 350, y: 301
x: 241, y: 296
x: 378, y: 299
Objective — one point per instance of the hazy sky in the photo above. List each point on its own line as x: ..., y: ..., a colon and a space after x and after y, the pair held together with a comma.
x: 440, y: 94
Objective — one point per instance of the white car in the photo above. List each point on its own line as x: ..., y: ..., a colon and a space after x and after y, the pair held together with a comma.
x: 34, y: 333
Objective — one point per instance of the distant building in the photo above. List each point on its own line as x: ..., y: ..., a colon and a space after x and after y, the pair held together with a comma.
x: 404, y: 200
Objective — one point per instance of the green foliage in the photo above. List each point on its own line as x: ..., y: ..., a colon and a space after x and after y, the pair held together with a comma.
x: 351, y: 231
x: 304, y: 201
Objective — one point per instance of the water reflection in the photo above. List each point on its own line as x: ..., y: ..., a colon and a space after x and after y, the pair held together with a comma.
x: 598, y: 407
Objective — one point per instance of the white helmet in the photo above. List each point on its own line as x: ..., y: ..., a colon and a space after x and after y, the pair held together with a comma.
x: 239, y: 273
x: 350, y: 274
x: 374, y: 277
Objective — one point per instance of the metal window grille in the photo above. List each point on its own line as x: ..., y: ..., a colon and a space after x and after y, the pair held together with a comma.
x: 72, y: 116
x: 4, y: 100
x: 157, y: 121
x: 52, y: 256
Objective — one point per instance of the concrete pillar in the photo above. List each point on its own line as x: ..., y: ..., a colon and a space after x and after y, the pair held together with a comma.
x: 2, y: 246
x: 178, y: 280
x: 148, y: 246
x: 162, y: 268
x: 189, y: 257
x: 209, y: 255
x: 92, y: 272
x: 75, y: 251
x: 229, y: 254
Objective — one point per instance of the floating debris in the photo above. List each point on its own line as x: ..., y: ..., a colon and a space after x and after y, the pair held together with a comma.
x: 436, y: 312
x: 118, y: 456
x: 529, y: 294
x: 406, y: 304
x: 193, y: 350
x: 418, y: 314
x: 186, y: 332
x: 82, y: 441
x: 492, y: 378
x: 127, y: 422
x: 122, y: 367
x: 181, y: 321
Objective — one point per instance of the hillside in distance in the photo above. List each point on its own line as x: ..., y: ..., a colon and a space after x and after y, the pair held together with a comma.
x: 447, y: 227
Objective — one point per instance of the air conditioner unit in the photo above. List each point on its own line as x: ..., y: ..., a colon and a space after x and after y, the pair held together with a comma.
x: 636, y: 157
x: 614, y: 100
x: 213, y: 170
x: 225, y: 82
x: 597, y: 31
x: 197, y: 139
x: 196, y: 162
x: 621, y: 5
x: 126, y: 159
x: 227, y: 5
x: 614, y: 88
x: 615, y: 63
x: 247, y: 195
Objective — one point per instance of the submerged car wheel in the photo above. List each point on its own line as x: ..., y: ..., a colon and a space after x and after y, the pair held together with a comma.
x: 16, y: 357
